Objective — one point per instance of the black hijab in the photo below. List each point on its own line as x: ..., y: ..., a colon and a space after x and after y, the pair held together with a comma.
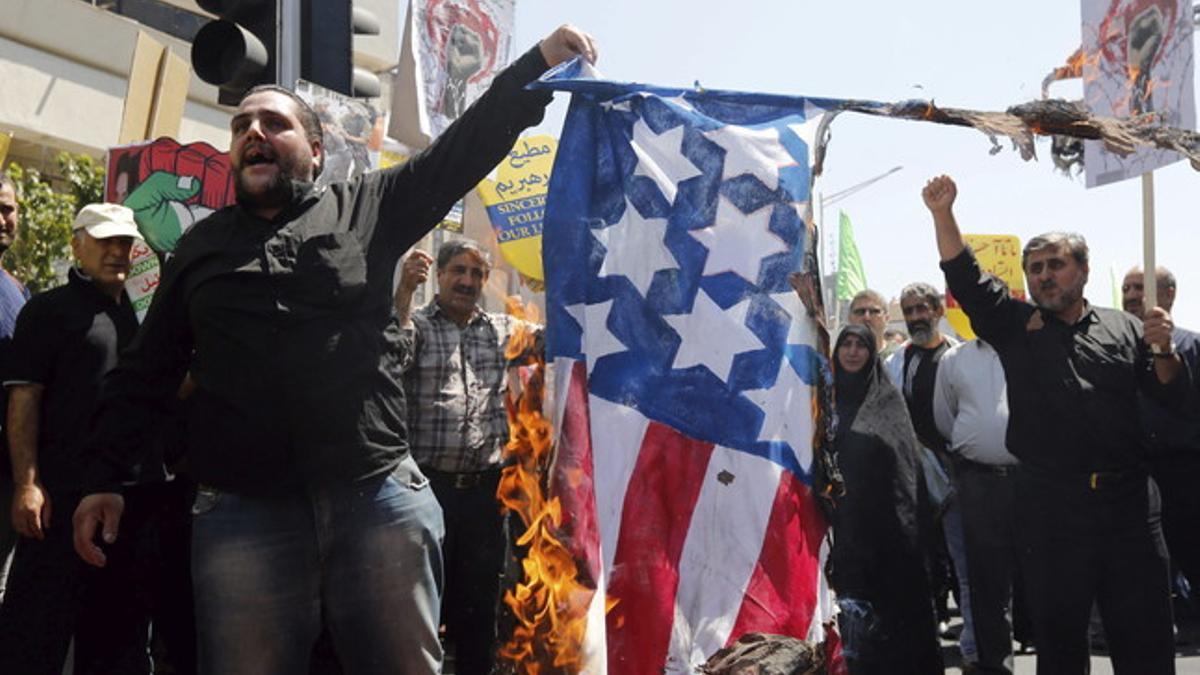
x: 880, y: 523
x: 850, y: 389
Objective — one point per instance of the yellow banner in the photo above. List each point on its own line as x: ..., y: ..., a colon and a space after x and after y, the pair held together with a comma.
x: 516, y: 202
x: 998, y: 255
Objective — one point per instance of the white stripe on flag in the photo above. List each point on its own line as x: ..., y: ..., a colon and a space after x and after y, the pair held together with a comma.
x: 720, y: 554
x: 824, y: 611
x: 617, y: 433
x: 595, y: 638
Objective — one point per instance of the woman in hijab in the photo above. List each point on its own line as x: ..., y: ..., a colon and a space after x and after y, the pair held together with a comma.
x: 878, y: 557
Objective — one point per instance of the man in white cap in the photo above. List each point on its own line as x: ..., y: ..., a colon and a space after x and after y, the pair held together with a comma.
x: 65, y: 341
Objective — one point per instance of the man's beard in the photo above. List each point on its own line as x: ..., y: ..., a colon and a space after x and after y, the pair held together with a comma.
x: 1066, y: 298
x: 277, y: 193
x: 920, y: 331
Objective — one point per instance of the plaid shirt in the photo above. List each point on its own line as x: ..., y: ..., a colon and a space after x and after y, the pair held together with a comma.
x: 456, y: 388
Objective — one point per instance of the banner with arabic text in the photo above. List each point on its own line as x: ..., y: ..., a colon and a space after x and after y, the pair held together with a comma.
x: 516, y: 202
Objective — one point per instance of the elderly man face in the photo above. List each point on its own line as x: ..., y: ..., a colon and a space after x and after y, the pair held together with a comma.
x: 1133, y: 291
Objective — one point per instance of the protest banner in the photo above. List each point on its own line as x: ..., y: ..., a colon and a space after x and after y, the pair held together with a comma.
x: 451, y: 51
x: 169, y: 187
x: 352, y: 129
x: 516, y: 202
x: 998, y: 255
x: 1137, y: 62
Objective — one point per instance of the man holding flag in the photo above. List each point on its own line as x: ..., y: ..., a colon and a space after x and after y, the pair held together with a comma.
x: 312, y: 514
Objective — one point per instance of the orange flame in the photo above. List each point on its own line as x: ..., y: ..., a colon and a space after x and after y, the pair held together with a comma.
x: 550, y: 603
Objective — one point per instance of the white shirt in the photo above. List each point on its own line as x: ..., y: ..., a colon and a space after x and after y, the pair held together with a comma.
x: 970, y: 403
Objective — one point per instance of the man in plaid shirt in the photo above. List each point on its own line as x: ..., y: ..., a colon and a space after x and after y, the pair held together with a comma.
x: 457, y: 429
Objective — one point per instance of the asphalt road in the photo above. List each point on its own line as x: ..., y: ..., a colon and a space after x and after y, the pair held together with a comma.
x: 1187, y: 657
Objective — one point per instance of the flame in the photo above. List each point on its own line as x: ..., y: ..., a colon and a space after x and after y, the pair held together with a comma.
x: 550, y: 603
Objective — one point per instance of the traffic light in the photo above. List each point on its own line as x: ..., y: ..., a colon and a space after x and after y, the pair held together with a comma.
x: 238, y: 51
x: 327, y: 31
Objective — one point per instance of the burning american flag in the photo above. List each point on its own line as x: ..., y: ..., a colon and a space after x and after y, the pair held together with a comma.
x: 688, y: 370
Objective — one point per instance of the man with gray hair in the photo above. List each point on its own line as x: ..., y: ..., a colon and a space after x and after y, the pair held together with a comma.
x: 1074, y: 372
x: 869, y: 309
x: 458, y: 427
x: 914, y: 370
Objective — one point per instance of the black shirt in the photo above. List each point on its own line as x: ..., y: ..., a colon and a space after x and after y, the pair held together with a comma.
x: 918, y: 379
x: 1176, y: 430
x: 66, y: 339
x: 1072, y: 389
x: 282, y: 323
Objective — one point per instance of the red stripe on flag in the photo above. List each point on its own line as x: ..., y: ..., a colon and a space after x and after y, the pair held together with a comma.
x: 573, y: 479
x: 655, y: 518
x: 782, y: 593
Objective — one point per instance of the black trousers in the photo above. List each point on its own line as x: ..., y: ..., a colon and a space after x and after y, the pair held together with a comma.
x: 1083, y: 541
x: 473, y: 554
x: 54, y: 596
x: 1178, y: 478
x: 986, y: 497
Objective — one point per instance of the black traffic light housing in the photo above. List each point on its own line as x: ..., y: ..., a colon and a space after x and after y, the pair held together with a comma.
x: 327, y: 30
x: 238, y: 51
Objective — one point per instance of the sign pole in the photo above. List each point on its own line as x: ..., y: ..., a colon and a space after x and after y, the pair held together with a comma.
x: 1149, y: 269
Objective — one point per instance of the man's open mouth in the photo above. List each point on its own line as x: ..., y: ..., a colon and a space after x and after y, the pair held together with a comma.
x: 257, y: 156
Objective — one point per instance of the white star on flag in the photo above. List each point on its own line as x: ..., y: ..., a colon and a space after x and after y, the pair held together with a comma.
x: 754, y: 151
x: 787, y: 410
x: 711, y: 336
x: 737, y: 242
x: 801, y: 329
x: 661, y: 158
x: 634, y: 248
x: 807, y: 130
x: 600, y: 340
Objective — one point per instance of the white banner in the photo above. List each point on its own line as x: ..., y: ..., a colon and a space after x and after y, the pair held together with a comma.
x: 452, y: 49
x: 1137, y: 63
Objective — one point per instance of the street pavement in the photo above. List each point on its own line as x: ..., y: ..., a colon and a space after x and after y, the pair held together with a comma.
x: 1187, y: 656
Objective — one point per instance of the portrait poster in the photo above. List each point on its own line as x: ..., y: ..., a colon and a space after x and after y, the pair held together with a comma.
x: 451, y: 51
x: 1137, y: 63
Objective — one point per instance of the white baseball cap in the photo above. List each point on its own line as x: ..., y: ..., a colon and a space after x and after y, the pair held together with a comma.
x: 103, y: 221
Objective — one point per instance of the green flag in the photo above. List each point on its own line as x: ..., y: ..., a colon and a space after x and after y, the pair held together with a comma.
x: 850, y: 275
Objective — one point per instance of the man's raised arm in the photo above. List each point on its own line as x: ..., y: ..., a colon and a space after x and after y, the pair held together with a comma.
x: 939, y: 195
x: 985, y: 300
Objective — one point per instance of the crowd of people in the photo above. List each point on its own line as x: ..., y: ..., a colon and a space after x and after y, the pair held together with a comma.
x: 1049, y: 461
x: 288, y: 468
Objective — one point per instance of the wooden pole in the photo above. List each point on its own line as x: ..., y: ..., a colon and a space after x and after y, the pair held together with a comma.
x: 1149, y: 268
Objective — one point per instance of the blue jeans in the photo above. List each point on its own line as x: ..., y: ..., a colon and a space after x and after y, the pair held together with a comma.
x: 363, y: 560
x: 952, y: 525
